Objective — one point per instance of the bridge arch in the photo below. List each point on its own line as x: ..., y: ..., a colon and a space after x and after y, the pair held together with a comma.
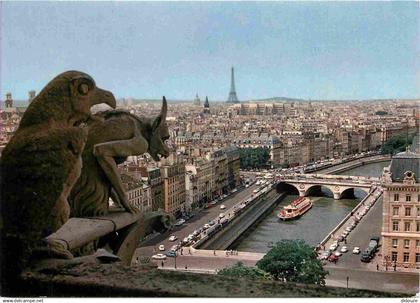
x: 287, y: 187
x: 320, y: 190
x: 358, y: 192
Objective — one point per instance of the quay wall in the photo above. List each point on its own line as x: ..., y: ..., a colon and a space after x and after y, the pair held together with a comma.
x: 251, y: 215
x: 347, y: 218
x: 353, y: 164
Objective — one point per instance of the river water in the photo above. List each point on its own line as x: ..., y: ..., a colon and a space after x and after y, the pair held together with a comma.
x: 313, y: 226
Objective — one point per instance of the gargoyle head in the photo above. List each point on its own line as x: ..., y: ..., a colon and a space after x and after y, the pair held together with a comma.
x: 160, y: 134
x: 66, y: 99
x: 85, y: 94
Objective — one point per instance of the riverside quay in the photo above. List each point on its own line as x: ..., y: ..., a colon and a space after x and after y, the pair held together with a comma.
x: 244, y: 225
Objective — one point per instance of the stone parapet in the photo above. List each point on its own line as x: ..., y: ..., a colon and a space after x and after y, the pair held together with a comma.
x: 116, y: 280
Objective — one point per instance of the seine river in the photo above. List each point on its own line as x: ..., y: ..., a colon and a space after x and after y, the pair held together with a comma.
x: 312, y: 227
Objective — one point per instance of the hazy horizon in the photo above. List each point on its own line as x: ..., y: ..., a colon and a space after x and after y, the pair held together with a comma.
x: 302, y: 50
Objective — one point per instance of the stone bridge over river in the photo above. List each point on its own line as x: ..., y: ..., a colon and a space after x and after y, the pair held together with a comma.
x: 339, y: 185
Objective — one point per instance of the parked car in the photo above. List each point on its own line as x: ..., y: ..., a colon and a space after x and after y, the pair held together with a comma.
x: 332, y: 258
x: 337, y: 253
x: 325, y: 254
x: 159, y: 257
x: 173, y: 238
x: 222, y: 206
x: 221, y: 215
x: 180, y: 222
x: 333, y: 246
x: 171, y: 253
x: 175, y: 247
x: 344, y: 249
x: 196, y: 232
x: 356, y: 250
x: 206, y: 226
x: 161, y: 247
x: 366, y: 256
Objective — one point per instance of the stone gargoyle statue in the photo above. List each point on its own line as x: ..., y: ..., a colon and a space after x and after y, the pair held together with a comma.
x: 113, y: 136
x: 39, y: 166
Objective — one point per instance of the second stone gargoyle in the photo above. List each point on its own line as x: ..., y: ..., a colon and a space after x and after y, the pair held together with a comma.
x: 112, y: 138
x: 38, y: 168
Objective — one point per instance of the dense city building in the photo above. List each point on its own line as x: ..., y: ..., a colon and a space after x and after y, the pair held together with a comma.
x: 401, y: 211
x: 138, y: 193
x: 173, y: 177
x: 295, y: 132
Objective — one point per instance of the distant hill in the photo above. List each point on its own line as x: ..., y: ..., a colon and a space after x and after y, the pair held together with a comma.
x: 279, y: 99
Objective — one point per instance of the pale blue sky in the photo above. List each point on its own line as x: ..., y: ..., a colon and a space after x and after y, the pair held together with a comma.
x: 318, y: 50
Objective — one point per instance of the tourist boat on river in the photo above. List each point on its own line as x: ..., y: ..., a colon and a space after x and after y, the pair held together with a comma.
x: 295, y: 209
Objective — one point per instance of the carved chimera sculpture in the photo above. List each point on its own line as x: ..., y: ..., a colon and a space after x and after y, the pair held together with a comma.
x: 112, y: 138
x: 39, y: 166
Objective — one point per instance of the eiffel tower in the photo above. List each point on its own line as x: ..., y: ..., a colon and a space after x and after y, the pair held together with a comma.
x: 232, y: 94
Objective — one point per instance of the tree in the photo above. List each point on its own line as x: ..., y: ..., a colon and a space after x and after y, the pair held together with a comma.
x: 254, y: 157
x: 240, y: 270
x: 396, y: 144
x: 293, y: 261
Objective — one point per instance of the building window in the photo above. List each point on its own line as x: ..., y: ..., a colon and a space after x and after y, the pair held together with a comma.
x: 418, y: 211
x: 407, y: 198
x: 408, y: 211
x: 406, y: 243
x: 417, y: 225
x: 407, y: 226
x: 395, y: 226
x: 396, y: 197
x: 394, y: 242
x: 406, y: 256
x: 395, y: 211
x: 417, y: 257
x: 394, y: 256
x: 417, y: 243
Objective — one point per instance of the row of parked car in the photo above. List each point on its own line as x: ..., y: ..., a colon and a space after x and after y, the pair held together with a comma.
x: 331, y: 254
x: 368, y: 253
x: 210, y: 227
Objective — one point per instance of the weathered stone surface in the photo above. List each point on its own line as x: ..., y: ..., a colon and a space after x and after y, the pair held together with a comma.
x: 122, y: 228
x: 116, y: 280
x: 114, y: 136
x: 80, y: 231
x: 39, y: 166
